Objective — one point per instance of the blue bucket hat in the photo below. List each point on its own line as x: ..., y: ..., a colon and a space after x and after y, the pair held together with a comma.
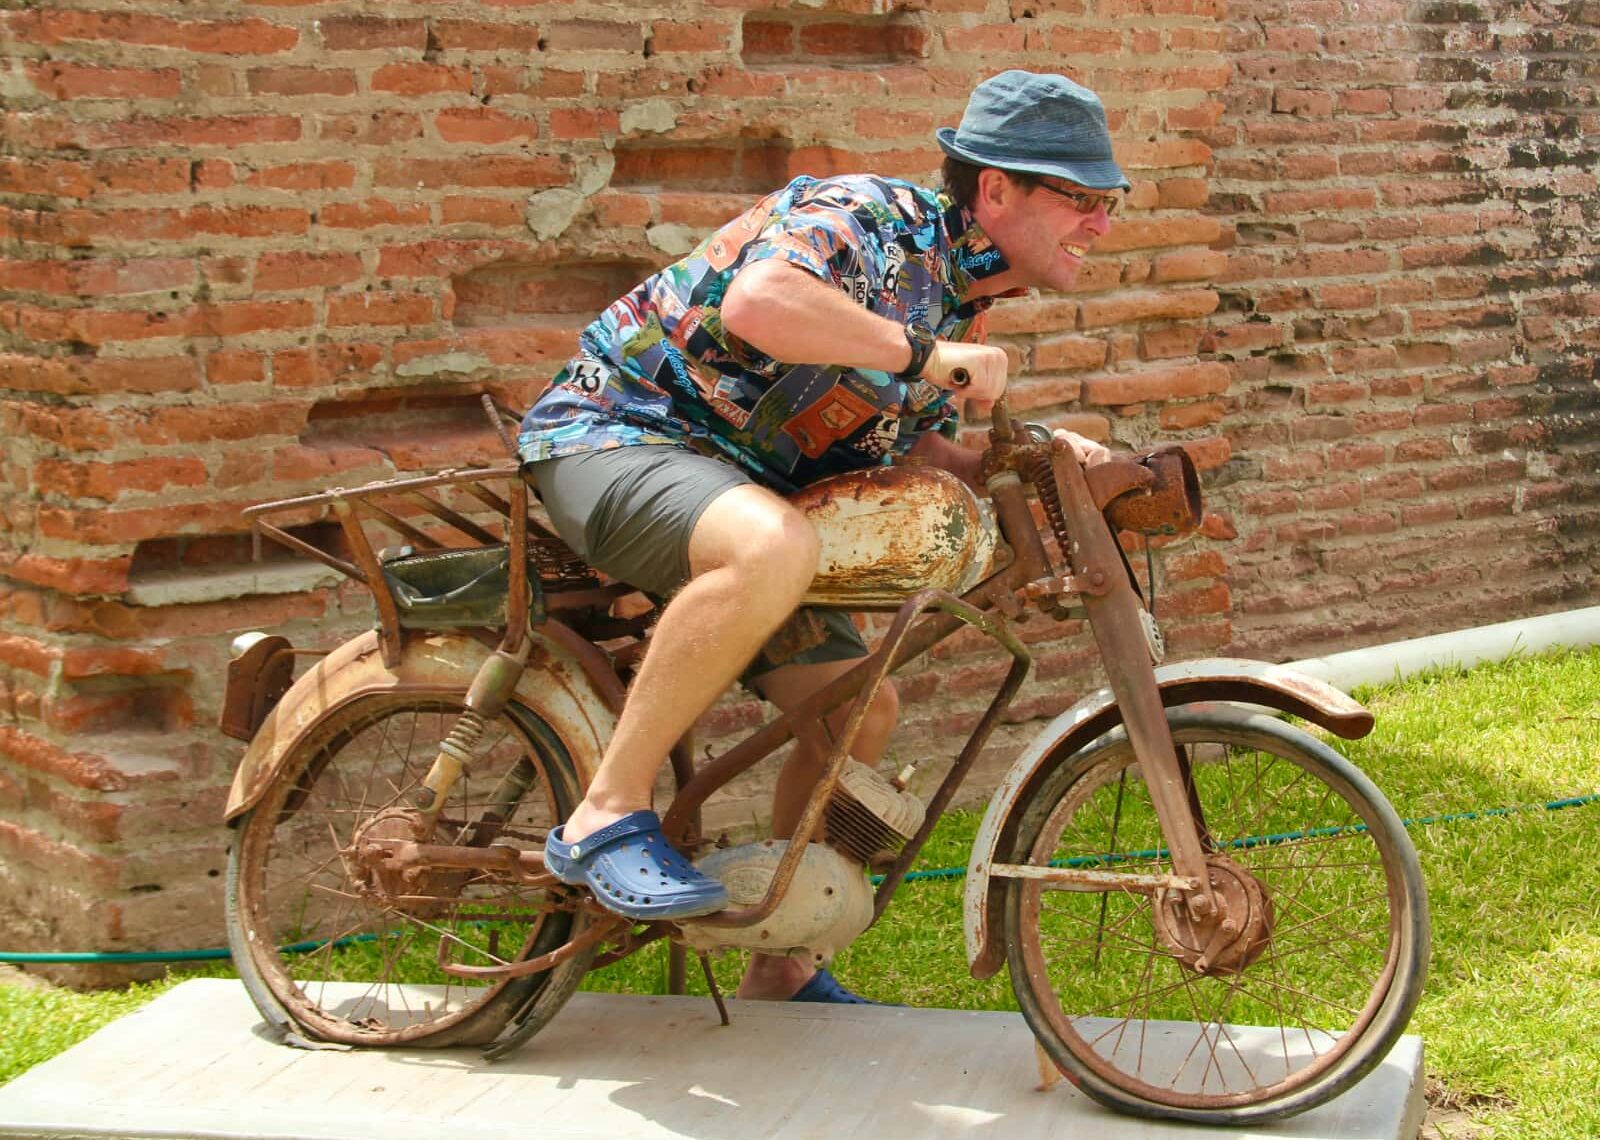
x: 1040, y: 124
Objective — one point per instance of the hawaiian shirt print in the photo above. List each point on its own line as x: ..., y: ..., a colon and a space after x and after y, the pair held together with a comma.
x: 658, y: 367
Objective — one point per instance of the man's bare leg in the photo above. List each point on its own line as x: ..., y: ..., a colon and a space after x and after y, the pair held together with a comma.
x: 751, y: 558
x: 774, y: 977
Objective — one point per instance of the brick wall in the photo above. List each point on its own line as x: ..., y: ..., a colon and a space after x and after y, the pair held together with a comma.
x: 1408, y: 197
x: 254, y: 250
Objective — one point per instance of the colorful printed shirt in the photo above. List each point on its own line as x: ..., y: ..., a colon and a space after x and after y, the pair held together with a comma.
x: 658, y: 366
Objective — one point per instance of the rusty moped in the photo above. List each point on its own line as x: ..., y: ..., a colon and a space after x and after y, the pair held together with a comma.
x: 1168, y: 859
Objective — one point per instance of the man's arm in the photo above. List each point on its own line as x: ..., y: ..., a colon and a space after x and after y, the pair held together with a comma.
x: 785, y: 312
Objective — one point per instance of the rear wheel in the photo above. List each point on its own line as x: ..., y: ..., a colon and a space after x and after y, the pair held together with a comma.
x: 354, y: 958
x: 1306, y: 991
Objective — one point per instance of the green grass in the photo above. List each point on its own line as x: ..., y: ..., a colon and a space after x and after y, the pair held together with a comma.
x: 1511, y: 1013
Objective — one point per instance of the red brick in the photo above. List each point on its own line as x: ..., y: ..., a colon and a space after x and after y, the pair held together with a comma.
x: 78, y: 376
x: 431, y: 258
x: 1069, y: 352
x: 1167, y: 343
x: 18, y: 652
x: 584, y: 122
x: 80, y: 769
x: 72, y: 576
x: 984, y: 38
x: 1351, y: 456
x: 1427, y: 514
x: 421, y: 79
x: 235, y: 366
x: 503, y: 212
x: 507, y: 170
x: 300, y: 464
x: 1155, y: 233
x: 369, y: 33
x: 1122, y: 308
x: 174, y: 425
x: 1189, y: 265
x: 1295, y: 101
x: 1157, y: 384
x: 110, y: 481
x: 484, y: 125
x: 380, y: 309
x: 302, y: 81
x: 220, y: 37
x: 619, y: 208
x: 864, y: 42
x: 594, y: 35
x: 306, y: 176
x: 247, y: 221
x: 1182, y: 417
x: 690, y: 36
x: 106, y: 527
x: 1024, y: 393
x: 378, y: 128
x: 372, y: 213
x: 63, y: 80
x: 108, y: 277
x: 296, y: 270
x: 477, y: 35
x: 323, y: 365
x: 94, y: 178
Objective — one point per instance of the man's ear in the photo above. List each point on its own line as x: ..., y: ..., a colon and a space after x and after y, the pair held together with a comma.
x: 996, y: 190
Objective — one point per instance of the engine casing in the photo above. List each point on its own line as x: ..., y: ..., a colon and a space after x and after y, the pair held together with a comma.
x: 827, y: 906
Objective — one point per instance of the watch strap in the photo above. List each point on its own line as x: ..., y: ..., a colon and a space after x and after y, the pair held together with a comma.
x: 921, y: 342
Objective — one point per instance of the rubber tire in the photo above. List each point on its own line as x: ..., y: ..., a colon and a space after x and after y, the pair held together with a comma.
x: 1405, y: 988
x: 520, y: 1001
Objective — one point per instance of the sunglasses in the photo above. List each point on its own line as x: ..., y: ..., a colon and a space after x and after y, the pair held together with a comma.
x: 1087, y: 201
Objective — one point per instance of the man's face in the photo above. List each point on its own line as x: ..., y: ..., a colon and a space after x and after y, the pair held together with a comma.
x: 1045, y: 232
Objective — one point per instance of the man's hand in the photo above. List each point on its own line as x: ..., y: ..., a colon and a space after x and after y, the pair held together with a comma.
x: 983, y: 365
x: 1088, y: 451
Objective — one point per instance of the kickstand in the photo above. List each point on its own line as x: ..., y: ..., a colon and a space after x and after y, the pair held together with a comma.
x: 711, y: 983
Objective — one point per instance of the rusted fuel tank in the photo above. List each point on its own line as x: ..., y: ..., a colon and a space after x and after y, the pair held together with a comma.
x: 887, y: 532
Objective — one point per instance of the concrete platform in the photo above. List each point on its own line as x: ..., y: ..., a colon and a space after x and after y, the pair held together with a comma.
x: 191, y: 1064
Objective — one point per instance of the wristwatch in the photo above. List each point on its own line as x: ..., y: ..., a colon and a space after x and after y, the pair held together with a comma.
x: 920, y: 338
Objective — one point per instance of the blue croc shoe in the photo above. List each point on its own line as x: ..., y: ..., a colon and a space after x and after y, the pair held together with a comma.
x: 634, y: 871
x: 824, y: 987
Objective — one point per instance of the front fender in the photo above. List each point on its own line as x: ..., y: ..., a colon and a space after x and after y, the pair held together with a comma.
x: 1210, y: 679
x: 576, y: 696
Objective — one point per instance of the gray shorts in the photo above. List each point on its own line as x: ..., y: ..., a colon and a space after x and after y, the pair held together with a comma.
x: 629, y: 512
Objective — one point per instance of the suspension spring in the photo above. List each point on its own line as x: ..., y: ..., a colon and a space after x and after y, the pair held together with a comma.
x: 462, y: 743
x: 1042, y: 472
x: 456, y: 753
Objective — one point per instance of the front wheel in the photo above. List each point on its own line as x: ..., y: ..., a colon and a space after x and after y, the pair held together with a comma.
x: 354, y: 958
x: 1330, y: 926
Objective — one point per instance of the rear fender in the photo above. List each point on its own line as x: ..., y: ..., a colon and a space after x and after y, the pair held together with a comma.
x: 1212, y: 679
x: 565, y: 684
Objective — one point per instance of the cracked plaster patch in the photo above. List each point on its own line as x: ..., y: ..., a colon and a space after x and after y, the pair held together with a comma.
x: 551, y: 212
x: 443, y: 362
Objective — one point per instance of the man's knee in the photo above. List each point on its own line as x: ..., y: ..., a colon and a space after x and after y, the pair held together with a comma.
x: 760, y: 536
x: 881, y: 716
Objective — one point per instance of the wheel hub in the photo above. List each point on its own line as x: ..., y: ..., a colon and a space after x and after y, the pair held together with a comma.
x: 1232, y: 936
x: 416, y: 891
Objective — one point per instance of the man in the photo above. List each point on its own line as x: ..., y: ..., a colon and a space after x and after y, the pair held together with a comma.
x: 836, y: 324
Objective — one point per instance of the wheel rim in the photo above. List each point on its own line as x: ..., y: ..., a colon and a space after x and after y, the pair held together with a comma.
x: 363, y: 968
x: 1146, y: 1023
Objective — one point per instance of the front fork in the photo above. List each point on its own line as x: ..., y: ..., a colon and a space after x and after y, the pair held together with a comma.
x: 1115, y: 617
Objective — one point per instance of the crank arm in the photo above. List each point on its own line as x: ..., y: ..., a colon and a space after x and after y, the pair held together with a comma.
x: 1079, y: 879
